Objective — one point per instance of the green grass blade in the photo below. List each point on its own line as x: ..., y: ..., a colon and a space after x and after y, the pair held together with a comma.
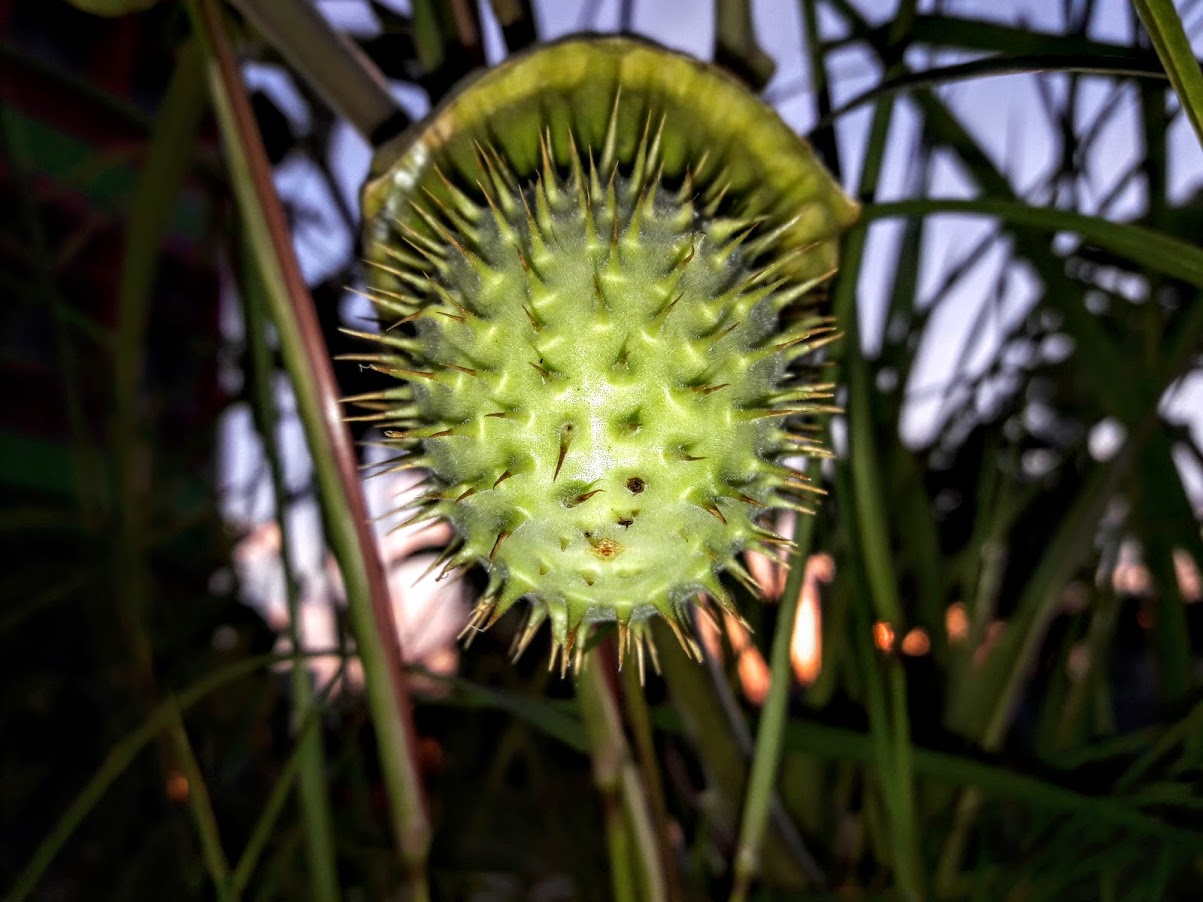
x: 201, y: 806
x: 168, y: 161
x: 1173, y: 47
x: 1118, y: 66
x: 314, y: 801
x: 719, y: 735
x: 990, y: 697
x: 997, y: 782
x: 967, y: 33
x: 428, y: 36
x: 769, y: 732
x: 305, y: 726
x: 545, y: 715
x: 634, y: 856
x: 1099, y: 353
x: 860, y: 475
x: 448, y: 41
x: 347, y: 525
x: 1167, y: 520
x: 121, y: 755
x: 1147, y: 247
x: 1038, y: 603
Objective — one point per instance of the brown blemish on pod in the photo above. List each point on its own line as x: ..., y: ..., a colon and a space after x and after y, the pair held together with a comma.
x: 606, y: 549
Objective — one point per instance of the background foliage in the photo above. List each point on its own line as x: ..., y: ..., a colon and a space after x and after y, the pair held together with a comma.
x: 1012, y: 485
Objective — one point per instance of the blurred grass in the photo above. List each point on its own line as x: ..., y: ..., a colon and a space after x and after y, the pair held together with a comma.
x: 1169, y: 39
x: 348, y: 530
x: 310, y: 754
x: 1051, y: 748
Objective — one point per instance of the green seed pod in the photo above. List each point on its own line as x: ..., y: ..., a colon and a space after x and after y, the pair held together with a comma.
x: 594, y: 268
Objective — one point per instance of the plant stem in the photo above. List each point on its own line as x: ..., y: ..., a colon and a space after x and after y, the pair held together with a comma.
x: 169, y: 157
x: 306, y: 723
x: 716, y: 728
x: 347, y: 526
x: 640, y: 721
x: 634, y: 857
x: 650, y: 877
x: 823, y: 137
x: 201, y: 806
x: 315, y: 804
x: 735, y: 44
x: 1169, y: 39
x: 120, y: 757
x: 770, y: 731
x: 860, y: 476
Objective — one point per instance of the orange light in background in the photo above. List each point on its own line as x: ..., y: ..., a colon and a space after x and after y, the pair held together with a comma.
x: 956, y: 622
x: 708, y: 634
x: 994, y: 634
x: 770, y: 570
x: 806, y: 641
x: 767, y: 572
x: 1077, y: 662
x: 177, y: 787
x: 1190, y: 585
x: 1132, y: 579
x: 916, y: 643
x: 754, y: 675
x: 883, y: 636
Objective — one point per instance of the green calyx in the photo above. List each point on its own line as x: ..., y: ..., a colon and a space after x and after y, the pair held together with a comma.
x: 594, y: 270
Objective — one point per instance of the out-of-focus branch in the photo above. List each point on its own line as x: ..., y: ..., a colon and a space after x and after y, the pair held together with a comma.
x: 1164, y: 26
x: 735, y: 45
x: 770, y: 733
x: 634, y: 855
x: 329, y: 61
x: 347, y: 525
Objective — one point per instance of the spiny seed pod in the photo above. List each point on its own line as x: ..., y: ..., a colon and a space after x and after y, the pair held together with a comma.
x: 594, y: 269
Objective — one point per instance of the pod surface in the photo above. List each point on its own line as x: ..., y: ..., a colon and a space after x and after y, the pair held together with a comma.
x: 595, y: 270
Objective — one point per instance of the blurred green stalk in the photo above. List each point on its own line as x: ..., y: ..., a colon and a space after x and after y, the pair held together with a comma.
x: 347, y: 525
x: 201, y: 806
x: 169, y: 158
x: 713, y: 721
x: 315, y: 803
x: 634, y: 854
x: 770, y: 732
x: 305, y: 722
x: 121, y: 755
x: 860, y: 474
x: 639, y: 718
x: 1164, y: 26
x: 735, y: 45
